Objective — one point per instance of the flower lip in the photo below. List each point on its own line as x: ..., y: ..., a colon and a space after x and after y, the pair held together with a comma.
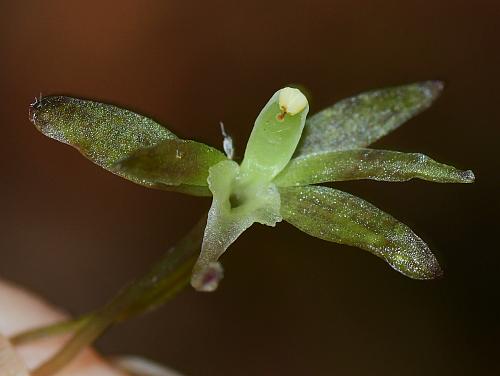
x: 209, y: 279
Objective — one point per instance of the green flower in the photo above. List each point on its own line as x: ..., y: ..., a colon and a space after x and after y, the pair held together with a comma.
x: 286, y: 156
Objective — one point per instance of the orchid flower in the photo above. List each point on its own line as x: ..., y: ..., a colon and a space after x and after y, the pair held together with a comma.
x: 286, y: 158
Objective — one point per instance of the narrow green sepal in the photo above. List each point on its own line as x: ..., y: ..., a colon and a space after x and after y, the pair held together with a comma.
x: 339, y: 217
x: 103, y: 133
x: 372, y: 164
x: 358, y: 121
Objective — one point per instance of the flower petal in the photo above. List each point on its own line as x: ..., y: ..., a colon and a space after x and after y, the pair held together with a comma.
x: 339, y: 217
x: 372, y: 164
x: 103, y: 133
x: 361, y: 120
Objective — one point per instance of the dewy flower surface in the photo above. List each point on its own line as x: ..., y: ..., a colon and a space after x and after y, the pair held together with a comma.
x: 286, y: 156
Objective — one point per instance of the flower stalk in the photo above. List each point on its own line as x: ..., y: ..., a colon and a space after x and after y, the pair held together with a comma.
x: 169, y: 276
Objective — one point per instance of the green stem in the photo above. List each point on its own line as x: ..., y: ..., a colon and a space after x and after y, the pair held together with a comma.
x: 169, y: 276
x: 58, y: 328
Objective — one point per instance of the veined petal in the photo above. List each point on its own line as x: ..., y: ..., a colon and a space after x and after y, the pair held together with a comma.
x: 339, y: 217
x: 228, y: 217
x: 368, y: 164
x: 361, y: 120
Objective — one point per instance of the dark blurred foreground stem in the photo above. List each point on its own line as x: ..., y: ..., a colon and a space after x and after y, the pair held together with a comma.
x: 170, y: 275
x: 58, y: 328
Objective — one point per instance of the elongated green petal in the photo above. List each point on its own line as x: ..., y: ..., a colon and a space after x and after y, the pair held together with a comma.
x: 361, y: 120
x: 172, y: 162
x: 275, y: 134
x: 368, y: 164
x: 227, y: 219
x: 339, y: 217
x: 103, y: 133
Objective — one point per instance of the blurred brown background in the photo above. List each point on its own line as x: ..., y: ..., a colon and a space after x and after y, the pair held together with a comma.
x: 290, y: 304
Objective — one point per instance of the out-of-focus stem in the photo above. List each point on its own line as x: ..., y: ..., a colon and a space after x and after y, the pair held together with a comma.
x: 170, y: 275
x: 58, y: 328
